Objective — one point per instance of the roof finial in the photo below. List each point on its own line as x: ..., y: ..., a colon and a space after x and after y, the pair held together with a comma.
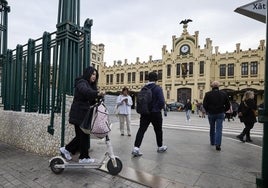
x: 185, y: 24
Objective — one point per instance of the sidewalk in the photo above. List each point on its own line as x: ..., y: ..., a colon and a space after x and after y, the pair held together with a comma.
x: 190, y: 162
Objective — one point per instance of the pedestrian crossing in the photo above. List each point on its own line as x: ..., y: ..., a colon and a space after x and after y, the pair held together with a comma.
x: 176, y: 121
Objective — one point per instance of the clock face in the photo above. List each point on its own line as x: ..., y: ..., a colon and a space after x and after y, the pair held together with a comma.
x: 185, y: 49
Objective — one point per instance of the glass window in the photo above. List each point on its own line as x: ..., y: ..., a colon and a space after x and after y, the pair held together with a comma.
x: 146, y: 75
x: 230, y: 70
x: 107, y: 79
x: 168, y: 94
x: 202, y: 67
x: 133, y: 77
x: 244, y: 69
x: 111, y: 78
x: 254, y: 68
x: 168, y: 70
x: 184, y: 69
x: 191, y: 68
x: 129, y: 77
x: 117, y: 78
x: 159, y: 75
x: 222, y: 70
x: 178, y: 69
x: 122, y: 78
x: 141, y: 77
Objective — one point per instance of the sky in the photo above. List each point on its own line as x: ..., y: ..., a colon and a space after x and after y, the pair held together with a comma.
x: 139, y: 28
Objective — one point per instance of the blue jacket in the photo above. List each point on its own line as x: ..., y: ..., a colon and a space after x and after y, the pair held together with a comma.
x: 158, y: 97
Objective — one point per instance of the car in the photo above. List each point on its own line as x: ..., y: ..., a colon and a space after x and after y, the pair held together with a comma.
x: 175, y: 106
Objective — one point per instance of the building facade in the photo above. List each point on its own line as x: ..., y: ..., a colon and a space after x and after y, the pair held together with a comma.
x: 186, y: 71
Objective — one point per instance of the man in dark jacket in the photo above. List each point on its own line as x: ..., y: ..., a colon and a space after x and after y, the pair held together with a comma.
x: 155, y: 117
x: 216, y: 103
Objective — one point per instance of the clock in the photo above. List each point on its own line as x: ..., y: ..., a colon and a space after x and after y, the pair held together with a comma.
x: 185, y: 49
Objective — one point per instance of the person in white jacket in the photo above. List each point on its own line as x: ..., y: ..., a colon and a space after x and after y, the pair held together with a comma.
x: 124, y: 103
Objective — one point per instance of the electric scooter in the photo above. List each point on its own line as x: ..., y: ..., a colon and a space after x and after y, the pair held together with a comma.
x: 112, y: 162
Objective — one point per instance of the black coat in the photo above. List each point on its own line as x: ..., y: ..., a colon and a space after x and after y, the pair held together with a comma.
x: 247, y: 108
x: 85, y: 95
x: 216, y: 101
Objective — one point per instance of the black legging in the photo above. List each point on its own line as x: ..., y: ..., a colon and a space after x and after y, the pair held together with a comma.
x: 248, y: 127
x: 79, y: 143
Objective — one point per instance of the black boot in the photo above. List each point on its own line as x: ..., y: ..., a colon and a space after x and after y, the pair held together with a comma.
x: 241, y: 137
x: 248, y: 139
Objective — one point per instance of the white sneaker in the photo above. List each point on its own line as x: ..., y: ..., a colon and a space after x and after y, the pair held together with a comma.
x: 136, y: 152
x: 162, y: 149
x: 66, y: 153
x: 86, y: 160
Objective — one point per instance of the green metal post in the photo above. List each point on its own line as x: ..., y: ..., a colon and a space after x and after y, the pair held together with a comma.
x: 5, y: 9
x: 87, y: 42
x: 262, y: 182
x: 45, y: 74
x: 18, y: 79
x: 30, y: 84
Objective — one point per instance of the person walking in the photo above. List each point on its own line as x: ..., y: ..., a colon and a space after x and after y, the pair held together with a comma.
x: 124, y: 103
x: 154, y: 117
x: 229, y: 113
x: 188, y: 110
x: 246, y: 113
x: 216, y: 103
x: 85, y: 95
x: 235, y: 106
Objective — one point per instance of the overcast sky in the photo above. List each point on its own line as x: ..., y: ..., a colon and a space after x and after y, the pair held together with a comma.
x: 140, y: 28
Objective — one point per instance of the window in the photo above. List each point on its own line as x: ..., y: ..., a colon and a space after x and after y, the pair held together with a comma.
x: 254, y: 68
x: 191, y: 68
x: 230, y: 70
x: 94, y: 56
x: 184, y: 69
x: 122, y: 78
x: 244, y: 69
x: 168, y: 70
x: 141, y: 77
x: 133, y: 77
x: 117, y: 78
x: 146, y: 75
x: 201, y: 67
x: 168, y: 94
x: 129, y: 77
x: 107, y: 79
x: 160, y: 75
x: 222, y: 70
x: 111, y: 78
x: 178, y: 69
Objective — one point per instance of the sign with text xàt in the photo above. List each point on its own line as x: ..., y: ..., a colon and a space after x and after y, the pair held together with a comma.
x: 256, y: 10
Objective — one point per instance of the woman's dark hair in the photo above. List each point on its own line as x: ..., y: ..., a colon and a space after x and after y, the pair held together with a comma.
x: 87, y: 74
x: 124, y: 89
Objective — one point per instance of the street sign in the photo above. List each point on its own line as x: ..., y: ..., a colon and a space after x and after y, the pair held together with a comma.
x: 255, y: 10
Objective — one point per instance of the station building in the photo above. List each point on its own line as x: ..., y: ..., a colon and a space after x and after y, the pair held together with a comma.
x: 187, y: 70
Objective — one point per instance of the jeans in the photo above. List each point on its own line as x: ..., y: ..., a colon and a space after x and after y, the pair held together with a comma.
x: 215, y: 122
x: 188, y: 112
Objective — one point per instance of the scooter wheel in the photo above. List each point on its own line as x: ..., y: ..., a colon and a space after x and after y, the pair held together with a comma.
x: 112, y: 169
x: 54, y: 162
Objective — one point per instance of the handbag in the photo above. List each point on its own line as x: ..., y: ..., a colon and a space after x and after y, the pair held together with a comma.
x: 86, y: 124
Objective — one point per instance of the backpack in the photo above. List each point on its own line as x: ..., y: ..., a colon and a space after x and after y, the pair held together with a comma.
x: 97, y: 121
x: 144, y: 100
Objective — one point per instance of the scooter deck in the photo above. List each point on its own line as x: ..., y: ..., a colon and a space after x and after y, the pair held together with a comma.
x: 79, y: 165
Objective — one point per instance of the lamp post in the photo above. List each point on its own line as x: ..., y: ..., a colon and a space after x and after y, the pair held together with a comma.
x: 262, y: 182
